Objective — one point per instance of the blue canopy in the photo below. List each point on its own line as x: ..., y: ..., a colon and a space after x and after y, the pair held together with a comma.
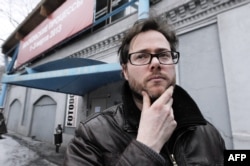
x: 69, y: 75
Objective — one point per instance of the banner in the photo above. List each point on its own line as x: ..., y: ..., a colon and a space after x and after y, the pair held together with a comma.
x: 71, y: 17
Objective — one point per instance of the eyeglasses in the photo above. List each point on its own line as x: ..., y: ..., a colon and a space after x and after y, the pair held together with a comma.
x: 143, y: 58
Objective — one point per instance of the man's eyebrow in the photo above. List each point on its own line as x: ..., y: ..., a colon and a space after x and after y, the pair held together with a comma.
x: 162, y: 49
x: 156, y: 50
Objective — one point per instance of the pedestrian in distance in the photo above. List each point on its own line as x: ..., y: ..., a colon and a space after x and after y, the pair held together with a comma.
x: 58, y: 138
x: 158, y: 123
x: 3, y: 129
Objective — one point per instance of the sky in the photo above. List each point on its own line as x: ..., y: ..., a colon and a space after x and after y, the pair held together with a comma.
x: 12, y: 13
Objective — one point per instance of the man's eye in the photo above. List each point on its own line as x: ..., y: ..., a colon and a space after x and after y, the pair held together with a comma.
x: 141, y: 56
x: 165, y: 55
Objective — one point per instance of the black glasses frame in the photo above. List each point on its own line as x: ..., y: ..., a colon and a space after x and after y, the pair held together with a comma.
x: 175, y: 57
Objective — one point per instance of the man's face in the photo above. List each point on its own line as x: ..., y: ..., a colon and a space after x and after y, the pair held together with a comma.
x: 154, y: 78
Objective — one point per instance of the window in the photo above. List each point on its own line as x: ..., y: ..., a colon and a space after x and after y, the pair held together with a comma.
x: 105, y: 7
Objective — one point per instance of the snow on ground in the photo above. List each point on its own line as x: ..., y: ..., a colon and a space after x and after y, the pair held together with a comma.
x: 14, y: 154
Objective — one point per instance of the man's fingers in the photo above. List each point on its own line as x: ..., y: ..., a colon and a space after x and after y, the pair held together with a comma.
x: 170, y: 102
x: 166, y: 96
x: 146, y: 100
x: 163, y: 99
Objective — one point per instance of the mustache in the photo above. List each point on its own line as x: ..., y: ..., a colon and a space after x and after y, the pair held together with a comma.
x: 156, y: 76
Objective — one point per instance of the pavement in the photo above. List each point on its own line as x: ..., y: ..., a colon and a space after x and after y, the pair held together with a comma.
x: 45, y: 150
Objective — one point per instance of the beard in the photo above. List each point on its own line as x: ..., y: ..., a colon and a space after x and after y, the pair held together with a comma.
x: 137, y: 88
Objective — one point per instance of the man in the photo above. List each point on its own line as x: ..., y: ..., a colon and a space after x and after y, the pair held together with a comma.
x: 157, y: 123
x: 3, y: 128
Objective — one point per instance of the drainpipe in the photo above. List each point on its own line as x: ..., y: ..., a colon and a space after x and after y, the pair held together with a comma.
x: 14, y: 57
x: 143, y: 9
x: 8, y: 68
x: 2, y: 97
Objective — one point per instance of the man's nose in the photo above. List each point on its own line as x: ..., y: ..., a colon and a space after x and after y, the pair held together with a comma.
x: 155, y: 62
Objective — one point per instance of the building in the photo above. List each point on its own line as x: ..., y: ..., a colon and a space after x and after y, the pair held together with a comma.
x: 213, y: 67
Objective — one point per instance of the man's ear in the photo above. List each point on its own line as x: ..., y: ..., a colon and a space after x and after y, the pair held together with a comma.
x: 125, y: 71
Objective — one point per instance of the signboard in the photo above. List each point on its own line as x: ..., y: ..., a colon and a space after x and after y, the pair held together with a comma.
x: 71, y: 111
x: 71, y: 17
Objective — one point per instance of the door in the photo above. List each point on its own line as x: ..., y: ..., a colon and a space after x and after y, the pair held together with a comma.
x: 43, y: 121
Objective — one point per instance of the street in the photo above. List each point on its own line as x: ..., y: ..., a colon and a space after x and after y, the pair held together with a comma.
x: 23, y: 151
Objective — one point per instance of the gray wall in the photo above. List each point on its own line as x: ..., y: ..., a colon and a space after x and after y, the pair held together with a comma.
x: 234, y: 32
x: 201, y: 74
x: 22, y: 105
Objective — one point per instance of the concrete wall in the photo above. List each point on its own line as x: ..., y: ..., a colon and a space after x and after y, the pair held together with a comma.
x: 201, y: 74
x: 234, y: 35
x: 28, y: 97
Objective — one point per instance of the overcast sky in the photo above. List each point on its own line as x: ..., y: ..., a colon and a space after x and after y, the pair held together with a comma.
x: 12, y: 13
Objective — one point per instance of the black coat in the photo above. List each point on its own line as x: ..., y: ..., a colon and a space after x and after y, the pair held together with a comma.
x: 109, y: 138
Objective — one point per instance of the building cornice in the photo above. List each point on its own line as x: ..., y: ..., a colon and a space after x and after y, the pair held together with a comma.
x: 110, y: 43
x: 198, y: 13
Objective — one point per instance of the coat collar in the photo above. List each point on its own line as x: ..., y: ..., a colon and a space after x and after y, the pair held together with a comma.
x: 186, y: 111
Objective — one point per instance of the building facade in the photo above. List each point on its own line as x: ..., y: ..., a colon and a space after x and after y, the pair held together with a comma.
x: 213, y: 68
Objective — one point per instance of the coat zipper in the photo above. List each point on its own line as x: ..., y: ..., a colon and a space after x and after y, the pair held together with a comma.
x: 173, y: 160
x: 171, y: 155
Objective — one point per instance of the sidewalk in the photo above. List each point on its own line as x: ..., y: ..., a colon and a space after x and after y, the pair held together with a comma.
x: 44, y: 150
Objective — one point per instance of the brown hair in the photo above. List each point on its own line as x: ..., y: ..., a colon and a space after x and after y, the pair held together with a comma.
x: 152, y: 23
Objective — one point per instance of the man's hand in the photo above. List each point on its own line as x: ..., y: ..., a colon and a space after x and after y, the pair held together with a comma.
x: 157, y: 121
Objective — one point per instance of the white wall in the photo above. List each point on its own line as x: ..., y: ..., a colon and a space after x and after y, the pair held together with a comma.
x: 234, y: 32
x: 201, y: 74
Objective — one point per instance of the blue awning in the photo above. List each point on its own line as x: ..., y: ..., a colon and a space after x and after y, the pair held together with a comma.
x: 70, y: 75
